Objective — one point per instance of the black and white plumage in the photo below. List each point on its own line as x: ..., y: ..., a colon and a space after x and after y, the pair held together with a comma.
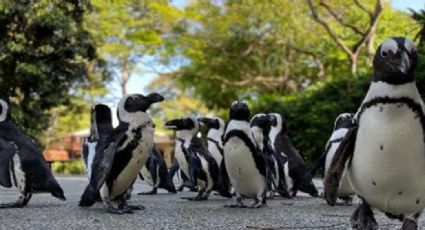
x: 342, y: 124
x: 385, y: 146
x: 245, y: 164
x: 193, y: 158
x: 22, y: 163
x: 260, y: 126
x: 297, y: 171
x: 155, y: 173
x: 216, y: 127
x: 120, y: 156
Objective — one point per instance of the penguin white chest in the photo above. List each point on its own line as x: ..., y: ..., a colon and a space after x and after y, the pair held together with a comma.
x: 91, y: 147
x: 388, y: 165
x: 181, y: 159
x: 139, y: 156
x: 18, y: 175
x: 243, y: 173
x: 215, y: 152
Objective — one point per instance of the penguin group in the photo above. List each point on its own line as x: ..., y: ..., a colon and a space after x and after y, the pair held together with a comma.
x: 376, y: 154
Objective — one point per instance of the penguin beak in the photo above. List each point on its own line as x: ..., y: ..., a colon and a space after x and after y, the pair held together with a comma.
x: 155, y: 98
x: 405, y: 63
x: 203, y: 120
x: 171, y: 125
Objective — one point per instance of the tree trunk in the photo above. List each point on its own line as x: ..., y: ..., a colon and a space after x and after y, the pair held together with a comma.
x: 125, y: 77
x: 353, y: 63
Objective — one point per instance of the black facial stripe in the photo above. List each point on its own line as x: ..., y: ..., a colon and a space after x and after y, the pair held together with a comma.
x: 411, y: 104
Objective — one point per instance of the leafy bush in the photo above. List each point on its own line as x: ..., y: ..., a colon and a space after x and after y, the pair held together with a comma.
x: 74, y: 167
x: 312, y: 112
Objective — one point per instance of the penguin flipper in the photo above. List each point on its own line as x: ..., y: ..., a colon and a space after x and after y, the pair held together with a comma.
x: 104, y: 158
x: 7, y: 152
x: 342, y: 154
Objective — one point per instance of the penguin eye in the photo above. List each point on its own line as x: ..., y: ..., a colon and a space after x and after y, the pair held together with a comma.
x: 135, y: 98
x: 384, y: 53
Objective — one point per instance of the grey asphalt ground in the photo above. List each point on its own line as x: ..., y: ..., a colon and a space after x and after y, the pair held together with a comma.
x: 168, y: 211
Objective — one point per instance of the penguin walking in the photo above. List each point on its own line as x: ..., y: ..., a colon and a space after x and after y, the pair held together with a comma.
x: 216, y: 127
x: 155, y: 173
x: 296, y: 169
x: 341, y: 126
x: 121, y: 155
x: 246, y: 166
x: 260, y: 126
x: 195, y: 160
x: 22, y: 164
x: 385, y: 145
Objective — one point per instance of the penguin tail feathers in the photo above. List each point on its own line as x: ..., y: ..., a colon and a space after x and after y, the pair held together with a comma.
x: 55, y: 189
x: 89, y: 197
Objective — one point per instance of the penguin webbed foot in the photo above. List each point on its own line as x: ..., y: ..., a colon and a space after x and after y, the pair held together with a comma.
x: 363, y: 218
x: 411, y: 222
x: 134, y: 207
x: 119, y: 211
x: 259, y: 203
x: 12, y: 205
x: 22, y: 201
x: 152, y: 192
x: 239, y: 204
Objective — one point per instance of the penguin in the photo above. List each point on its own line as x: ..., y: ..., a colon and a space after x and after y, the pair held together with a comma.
x: 121, y: 155
x: 100, y: 129
x: 183, y: 180
x: 22, y: 163
x: 341, y: 126
x: 246, y: 166
x: 194, y: 158
x: 155, y: 173
x: 296, y: 171
x: 384, y: 148
x: 260, y: 126
x: 216, y: 127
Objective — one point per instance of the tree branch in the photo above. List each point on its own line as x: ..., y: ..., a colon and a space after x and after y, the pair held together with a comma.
x: 328, y: 28
x: 339, y: 20
x: 374, y: 19
x: 361, y: 6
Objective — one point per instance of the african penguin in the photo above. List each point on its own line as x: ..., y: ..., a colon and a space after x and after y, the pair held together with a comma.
x: 246, y: 166
x: 122, y: 154
x: 216, y: 127
x: 297, y: 170
x: 341, y: 126
x: 176, y: 171
x: 385, y: 146
x: 200, y: 165
x: 22, y: 163
x: 155, y: 173
x: 260, y: 127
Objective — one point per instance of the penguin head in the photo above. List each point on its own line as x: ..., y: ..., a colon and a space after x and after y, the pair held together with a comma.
x: 134, y: 105
x: 189, y: 124
x: 343, y: 121
x: 239, y: 111
x: 279, y: 122
x: 395, y: 61
x: 212, y: 122
x: 262, y: 121
x: 4, y: 111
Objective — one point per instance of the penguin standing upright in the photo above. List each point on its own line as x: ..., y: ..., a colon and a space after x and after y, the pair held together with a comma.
x: 246, y: 166
x: 260, y: 126
x: 122, y: 154
x: 195, y: 159
x: 22, y: 164
x: 385, y: 146
x: 342, y: 123
x: 297, y: 170
x: 155, y: 173
x: 216, y: 128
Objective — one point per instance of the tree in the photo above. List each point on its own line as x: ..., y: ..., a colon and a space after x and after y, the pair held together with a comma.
x: 127, y: 31
x: 44, y: 55
x: 365, y: 36
x: 243, y: 49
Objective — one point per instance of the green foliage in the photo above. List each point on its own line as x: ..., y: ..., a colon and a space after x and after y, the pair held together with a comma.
x: 312, y: 112
x: 75, y: 167
x: 44, y: 56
